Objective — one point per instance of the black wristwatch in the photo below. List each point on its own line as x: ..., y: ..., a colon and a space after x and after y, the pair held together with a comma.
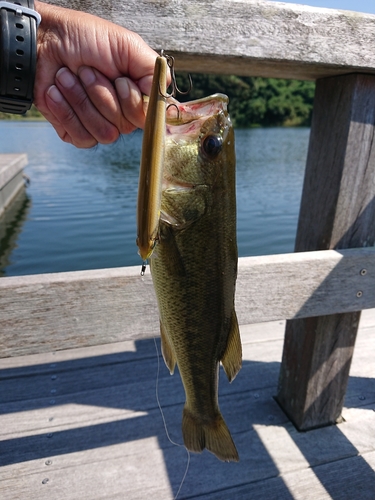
x: 19, y: 22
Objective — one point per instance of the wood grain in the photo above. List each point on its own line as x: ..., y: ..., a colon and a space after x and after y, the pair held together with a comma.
x: 48, y: 312
x: 337, y: 211
x: 99, y: 433
x: 11, y: 179
x: 246, y: 37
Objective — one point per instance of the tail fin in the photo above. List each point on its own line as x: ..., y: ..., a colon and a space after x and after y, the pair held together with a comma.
x: 214, y: 436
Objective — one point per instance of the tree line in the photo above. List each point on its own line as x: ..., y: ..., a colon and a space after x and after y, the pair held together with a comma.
x: 253, y: 101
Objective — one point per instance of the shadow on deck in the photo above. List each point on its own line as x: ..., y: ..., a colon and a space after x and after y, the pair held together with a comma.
x: 100, y: 411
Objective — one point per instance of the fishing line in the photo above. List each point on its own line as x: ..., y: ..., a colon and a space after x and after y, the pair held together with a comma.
x: 165, y: 423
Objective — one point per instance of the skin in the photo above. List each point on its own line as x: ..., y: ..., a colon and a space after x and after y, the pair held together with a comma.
x: 90, y: 77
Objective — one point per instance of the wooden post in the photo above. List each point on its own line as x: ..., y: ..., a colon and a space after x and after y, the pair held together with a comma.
x: 337, y: 211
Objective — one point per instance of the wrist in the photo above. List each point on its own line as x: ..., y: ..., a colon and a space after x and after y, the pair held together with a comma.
x: 19, y: 23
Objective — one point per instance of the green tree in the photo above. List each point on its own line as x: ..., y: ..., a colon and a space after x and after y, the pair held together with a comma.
x: 32, y: 114
x: 255, y: 101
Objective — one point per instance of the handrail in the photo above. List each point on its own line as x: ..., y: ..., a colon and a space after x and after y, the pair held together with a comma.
x: 242, y: 37
x: 46, y: 312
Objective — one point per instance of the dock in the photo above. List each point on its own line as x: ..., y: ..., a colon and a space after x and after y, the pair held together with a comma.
x: 80, y: 377
x: 84, y: 423
x: 11, y: 178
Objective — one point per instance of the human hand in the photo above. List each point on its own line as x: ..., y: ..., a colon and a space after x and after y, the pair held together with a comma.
x: 90, y: 77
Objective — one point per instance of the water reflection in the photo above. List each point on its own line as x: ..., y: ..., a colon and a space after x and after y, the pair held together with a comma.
x: 270, y: 169
x: 11, y: 223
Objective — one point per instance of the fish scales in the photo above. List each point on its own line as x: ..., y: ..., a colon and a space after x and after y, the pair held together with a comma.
x: 194, y: 266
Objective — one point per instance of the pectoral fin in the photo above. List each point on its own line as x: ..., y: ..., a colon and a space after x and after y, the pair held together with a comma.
x: 232, y: 357
x: 167, y: 350
x: 180, y: 207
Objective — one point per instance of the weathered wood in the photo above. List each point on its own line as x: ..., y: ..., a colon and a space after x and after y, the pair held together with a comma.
x: 11, y: 177
x: 347, y: 478
x: 40, y: 313
x: 96, y: 441
x: 244, y: 37
x: 337, y: 211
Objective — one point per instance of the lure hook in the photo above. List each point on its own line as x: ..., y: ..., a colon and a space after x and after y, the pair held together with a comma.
x: 175, y: 90
x: 174, y: 106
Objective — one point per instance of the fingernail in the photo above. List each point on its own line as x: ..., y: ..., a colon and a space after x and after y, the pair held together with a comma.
x: 122, y: 87
x: 65, y: 78
x: 54, y: 93
x: 87, y: 76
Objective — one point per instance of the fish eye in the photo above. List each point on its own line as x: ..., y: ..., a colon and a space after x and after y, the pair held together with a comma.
x: 211, y: 145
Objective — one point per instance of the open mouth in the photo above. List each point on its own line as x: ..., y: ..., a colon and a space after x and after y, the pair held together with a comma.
x: 185, y: 113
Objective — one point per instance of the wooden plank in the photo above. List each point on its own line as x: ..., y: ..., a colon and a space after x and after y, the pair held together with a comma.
x: 337, y: 211
x: 42, y: 313
x: 47, y: 362
x: 304, y: 284
x: 10, y: 166
x: 243, y: 37
x: 127, y: 380
x: 108, y: 473
x: 101, y: 444
x: 367, y: 319
x: 67, y: 310
x: 96, y: 443
x: 349, y: 478
x: 11, y: 178
x: 263, y: 444
x: 131, y: 470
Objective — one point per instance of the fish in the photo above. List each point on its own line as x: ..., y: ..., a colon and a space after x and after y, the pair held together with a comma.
x: 193, y: 262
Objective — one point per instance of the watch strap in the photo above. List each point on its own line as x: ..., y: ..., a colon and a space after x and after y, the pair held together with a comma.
x: 19, y: 23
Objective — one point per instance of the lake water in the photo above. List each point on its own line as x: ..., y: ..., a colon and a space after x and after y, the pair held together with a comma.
x: 79, y: 209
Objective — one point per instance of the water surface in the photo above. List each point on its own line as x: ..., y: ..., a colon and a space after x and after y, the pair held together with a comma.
x: 79, y: 209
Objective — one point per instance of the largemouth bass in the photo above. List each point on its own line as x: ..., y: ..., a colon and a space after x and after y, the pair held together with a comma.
x: 194, y: 265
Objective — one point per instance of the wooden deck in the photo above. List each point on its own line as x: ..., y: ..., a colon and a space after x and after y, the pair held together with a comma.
x: 84, y: 423
x: 11, y: 178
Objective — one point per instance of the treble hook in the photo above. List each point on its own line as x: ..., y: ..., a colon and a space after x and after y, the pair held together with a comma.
x: 174, y: 106
x: 175, y: 90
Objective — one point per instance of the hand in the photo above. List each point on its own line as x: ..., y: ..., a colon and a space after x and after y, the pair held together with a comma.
x: 90, y: 76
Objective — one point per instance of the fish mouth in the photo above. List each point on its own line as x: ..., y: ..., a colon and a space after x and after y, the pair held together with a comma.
x: 186, y: 112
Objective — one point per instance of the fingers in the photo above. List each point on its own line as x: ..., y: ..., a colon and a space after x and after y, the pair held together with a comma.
x: 103, y: 95
x: 87, y: 109
x: 131, y: 101
x: 65, y: 121
x: 77, y: 114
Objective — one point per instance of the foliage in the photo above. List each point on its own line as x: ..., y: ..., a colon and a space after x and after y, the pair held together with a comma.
x: 255, y: 101
x: 32, y: 114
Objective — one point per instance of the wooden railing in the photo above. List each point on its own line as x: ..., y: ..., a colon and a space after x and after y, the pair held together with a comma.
x: 321, y: 293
